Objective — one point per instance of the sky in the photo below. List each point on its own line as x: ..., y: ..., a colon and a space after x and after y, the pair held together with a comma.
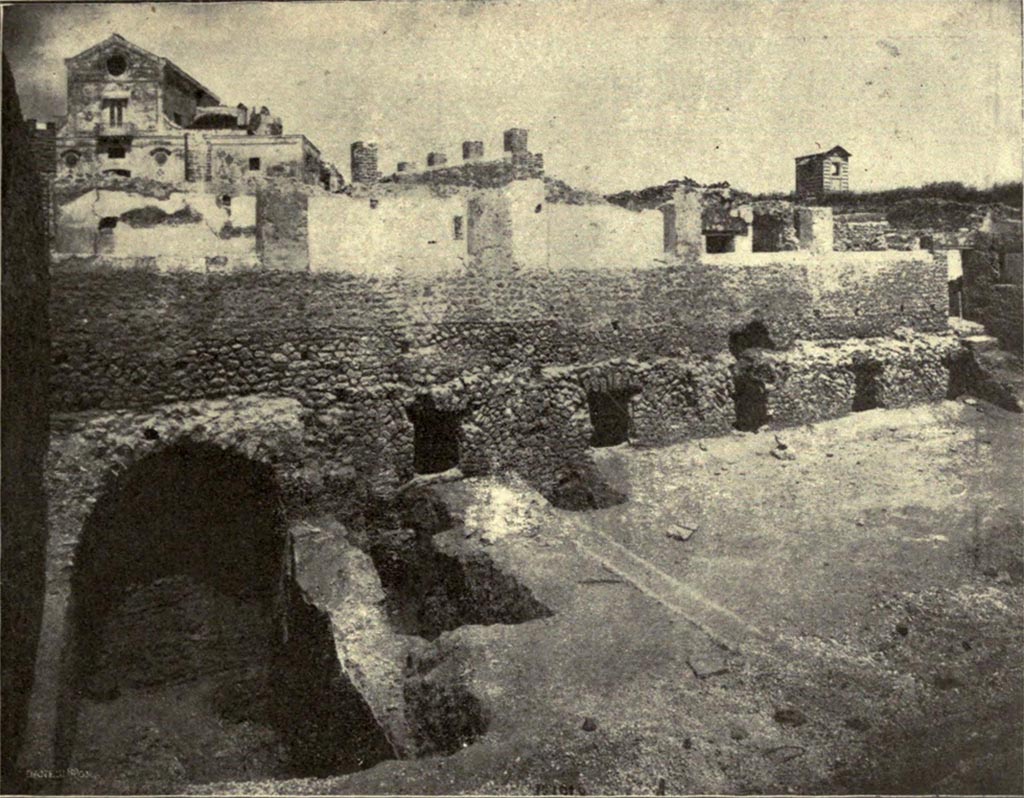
x: 617, y: 94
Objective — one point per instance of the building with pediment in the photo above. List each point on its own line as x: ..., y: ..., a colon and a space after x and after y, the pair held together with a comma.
x: 131, y: 113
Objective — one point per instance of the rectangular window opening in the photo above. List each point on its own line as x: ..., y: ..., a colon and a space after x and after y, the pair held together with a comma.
x: 717, y: 243
x: 254, y: 164
x: 115, y: 109
x: 867, y: 388
x: 609, y: 417
x: 436, y: 436
x: 458, y: 231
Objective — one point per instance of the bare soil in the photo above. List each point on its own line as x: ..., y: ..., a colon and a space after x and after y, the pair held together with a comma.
x: 840, y: 615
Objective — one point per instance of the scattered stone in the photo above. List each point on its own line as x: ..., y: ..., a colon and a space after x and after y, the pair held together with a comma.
x: 681, y: 531
x: 789, y: 716
x: 1004, y: 578
x: 705, y: 665
x: 589, y: 724
x: 785, y: 753
x: 902, y: 629
x: 970, y: 400
x: 687, y: 743
x: 857, y: 724
x: 737, y: 732
x: 783, y: 454
x: 780, y: 443
x: 702, y: 446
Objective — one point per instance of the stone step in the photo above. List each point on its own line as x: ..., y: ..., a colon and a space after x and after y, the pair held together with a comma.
x: 981, y: 343
x: 964, y: 327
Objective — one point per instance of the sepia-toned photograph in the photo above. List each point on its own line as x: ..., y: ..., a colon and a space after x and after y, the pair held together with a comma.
x: 512, y: 397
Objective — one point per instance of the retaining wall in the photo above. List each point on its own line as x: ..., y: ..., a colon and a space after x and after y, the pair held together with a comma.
x: 509, y: 352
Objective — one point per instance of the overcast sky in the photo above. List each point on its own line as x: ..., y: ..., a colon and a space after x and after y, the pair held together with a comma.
x: 616, y: 93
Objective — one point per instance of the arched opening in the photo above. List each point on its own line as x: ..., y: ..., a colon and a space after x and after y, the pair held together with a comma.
x: 751, y: 377
x: 193, y: 654
x: 609, y: 416
x: 750, y: 401
x: 867, y: 389
x: 436, y: 435
x: 753, y: 335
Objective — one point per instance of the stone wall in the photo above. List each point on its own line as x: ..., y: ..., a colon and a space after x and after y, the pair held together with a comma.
x: 411, y: 230
x: 137, y: 224
x: 477, y: 174
x: 812, y: 382
x: 993, y: 293
x: 282, y: 217
x: 43, y: 139
x: 358, y: 350
x: 25, y: 372
x: 861, y: 234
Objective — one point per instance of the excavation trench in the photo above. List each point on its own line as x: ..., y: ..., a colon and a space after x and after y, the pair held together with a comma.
x: 196, y: 656
x: 428, y: 591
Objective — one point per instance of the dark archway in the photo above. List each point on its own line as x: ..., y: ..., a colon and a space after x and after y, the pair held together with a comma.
x: 867, y: 390
x: 609, y: 416
x: 718, y: 243
x: 187, y: 624
x: 436, y: 435
x: 750, y: 401
x: 753, y: 335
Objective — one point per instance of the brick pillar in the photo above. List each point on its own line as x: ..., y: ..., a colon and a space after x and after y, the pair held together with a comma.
x: 364, y: 162
x: 683, y: 230
x: 472, y: 150
x: 436, y: 159
x: 515, y: 140
x: 814, y: 228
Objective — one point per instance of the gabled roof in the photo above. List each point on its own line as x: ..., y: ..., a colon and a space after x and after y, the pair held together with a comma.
x: 120, y: 41
x: 837, y: 150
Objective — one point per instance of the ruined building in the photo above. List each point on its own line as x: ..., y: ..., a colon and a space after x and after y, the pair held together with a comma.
x: 131, y: 113
x: 823, y: 173
x: 227, y: 323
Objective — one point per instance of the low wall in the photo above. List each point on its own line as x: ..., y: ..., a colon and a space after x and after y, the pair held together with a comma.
x: 128, y: 224
x: 993, y: 293
x: 812, y: 382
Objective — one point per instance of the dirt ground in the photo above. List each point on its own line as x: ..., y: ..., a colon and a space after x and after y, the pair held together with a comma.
x: 841, y: 615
